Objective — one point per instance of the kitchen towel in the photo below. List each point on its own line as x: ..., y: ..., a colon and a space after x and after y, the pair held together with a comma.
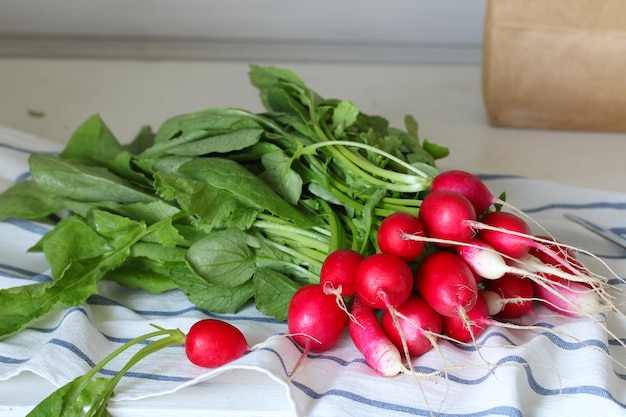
x: 564, y: 366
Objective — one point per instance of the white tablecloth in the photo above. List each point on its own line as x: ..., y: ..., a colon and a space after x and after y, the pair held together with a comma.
x: 572, y: 368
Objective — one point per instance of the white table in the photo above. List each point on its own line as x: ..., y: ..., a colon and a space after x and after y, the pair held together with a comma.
x: 129, y: 94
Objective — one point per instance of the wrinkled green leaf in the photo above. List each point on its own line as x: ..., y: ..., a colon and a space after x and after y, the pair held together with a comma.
x: 273, y: 292
x: 228, y: 175
x: 218, y: 299
x: 223, y: 258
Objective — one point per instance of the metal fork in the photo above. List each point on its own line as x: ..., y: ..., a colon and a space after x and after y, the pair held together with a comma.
x: 599, y: 230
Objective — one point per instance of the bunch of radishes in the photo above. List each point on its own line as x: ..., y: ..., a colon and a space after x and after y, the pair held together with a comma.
x: 461, y: 265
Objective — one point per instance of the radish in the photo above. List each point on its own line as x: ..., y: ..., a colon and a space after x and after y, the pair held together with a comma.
x: 572, y: 266
x: 515, y: 295
x: 383, y: 281
x: 368, y: 337
x: 483, y: 260
x: 573, y: 299
x: 445, y: 216
x: 392, y: 236
x: 511, y: 236
x: 338, y: 270
x: 314, y: 319
x: 418, y: 323
x: 467, y: 184
x: 515, y: 244
x: 468, y: 329
x: 211, y: 343
x: 446, y: 283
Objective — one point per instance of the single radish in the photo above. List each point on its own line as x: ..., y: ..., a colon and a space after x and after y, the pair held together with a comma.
x: 383, y: 281
x: 516, y: 244
x: 211, y: 343
x: 510, y: 235
x: 483, y: 259
x: 468, y: 329
x: 446, y: 283
x: 445, y: 215
x: 337, y: 274
x: 368, y: 337
x: 418, y: 322
x: 515, y: 295
x: 573, y: 299
x: 393, y: 232
x: 314, y: 319
x: 467, y: 184
x: 572, y: 266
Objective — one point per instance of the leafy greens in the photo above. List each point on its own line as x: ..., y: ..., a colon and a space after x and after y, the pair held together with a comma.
x: 224, y: 204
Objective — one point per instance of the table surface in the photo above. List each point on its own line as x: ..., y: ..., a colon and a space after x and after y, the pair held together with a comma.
x: 50, y: 98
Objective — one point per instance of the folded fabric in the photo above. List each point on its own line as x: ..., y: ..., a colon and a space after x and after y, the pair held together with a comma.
x: 564, y: 366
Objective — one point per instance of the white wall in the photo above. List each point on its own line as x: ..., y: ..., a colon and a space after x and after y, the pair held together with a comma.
x: 368, y: 30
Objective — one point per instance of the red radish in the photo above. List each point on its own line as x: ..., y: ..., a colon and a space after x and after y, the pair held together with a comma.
x: 516, y: 244
x: 444, y: 215
x: 211, y: 343
x: 417, y: 322
x: 446, y: 283
x: 516, y: 295
x: 392, y: 236
x: 368, y: 337
x: 468, y: 329
x: 573, y: 299
x: 510, y: 235
x: 383, y: 281
x: 338, y: 270
x: 314, y: 319
x: 572, y: 266
x: 467, y: 184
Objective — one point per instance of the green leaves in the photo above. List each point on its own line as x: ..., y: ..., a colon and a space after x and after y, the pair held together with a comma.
x: 223, y: 204
x: 249, y: 189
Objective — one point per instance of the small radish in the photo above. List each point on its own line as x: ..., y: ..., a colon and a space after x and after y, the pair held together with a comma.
x: 314, y: 319
x: 338, y: 271
x: 515, y: 295
x: 482, y: 259
x: 446, y: 283
x: 516, y: 244
x: 510, y: 235
x: 211, y: 343
x: 392, y: 236
x: 445, y: 215
x: 467, y: 184
x: 383, y: 281
x: 467, y: 330
x: 572, y: 266
x: 368, y: 337
x: 573, y: 299
x: 418, y: 322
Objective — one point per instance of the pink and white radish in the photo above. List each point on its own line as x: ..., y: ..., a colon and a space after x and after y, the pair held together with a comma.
x: 368, y: 337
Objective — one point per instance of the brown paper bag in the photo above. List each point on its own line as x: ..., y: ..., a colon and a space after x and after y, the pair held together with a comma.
x: 557, y: 64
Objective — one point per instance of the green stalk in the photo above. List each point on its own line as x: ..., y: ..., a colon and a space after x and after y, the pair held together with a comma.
x: 173, y: 337
x: 299, y: 236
